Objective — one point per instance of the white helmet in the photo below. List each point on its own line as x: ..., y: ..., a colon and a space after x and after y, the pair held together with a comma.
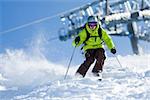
x: 92, y: 19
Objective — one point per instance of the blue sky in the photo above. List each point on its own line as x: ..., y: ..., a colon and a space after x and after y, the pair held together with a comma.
x: 18, y: 12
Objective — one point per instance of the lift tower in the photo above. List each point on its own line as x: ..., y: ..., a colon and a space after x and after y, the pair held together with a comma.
x: 119, y: 17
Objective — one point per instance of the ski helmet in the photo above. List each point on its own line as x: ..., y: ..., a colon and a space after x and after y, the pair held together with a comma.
x: 92, y: 19
x: 92, y: 23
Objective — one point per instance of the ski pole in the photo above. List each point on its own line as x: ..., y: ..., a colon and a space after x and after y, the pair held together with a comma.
x: 70, y: 62
x: 118, y: 61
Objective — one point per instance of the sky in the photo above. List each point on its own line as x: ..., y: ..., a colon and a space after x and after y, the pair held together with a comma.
x: 19, y: 12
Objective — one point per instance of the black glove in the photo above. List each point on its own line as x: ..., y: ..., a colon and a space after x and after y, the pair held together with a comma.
x: 77, y: 40
x: 113, y: 51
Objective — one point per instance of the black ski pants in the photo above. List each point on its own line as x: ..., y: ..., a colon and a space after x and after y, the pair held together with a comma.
x: 91, y: 55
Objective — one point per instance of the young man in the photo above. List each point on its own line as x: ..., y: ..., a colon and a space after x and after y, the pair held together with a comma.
x: 92, y: 36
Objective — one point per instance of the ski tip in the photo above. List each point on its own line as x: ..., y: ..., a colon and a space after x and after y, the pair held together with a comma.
x: 99, y: 79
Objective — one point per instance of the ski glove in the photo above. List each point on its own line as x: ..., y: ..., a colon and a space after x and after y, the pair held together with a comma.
x: 77, y: 40
x: 113, y: 51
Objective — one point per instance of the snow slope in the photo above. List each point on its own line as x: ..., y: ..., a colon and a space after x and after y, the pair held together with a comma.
x: 26, y: 77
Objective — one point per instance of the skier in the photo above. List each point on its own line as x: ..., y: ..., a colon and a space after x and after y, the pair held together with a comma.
x: 92, y: 36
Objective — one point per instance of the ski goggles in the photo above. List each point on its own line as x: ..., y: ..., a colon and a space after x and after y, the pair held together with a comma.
x: 92, y: 24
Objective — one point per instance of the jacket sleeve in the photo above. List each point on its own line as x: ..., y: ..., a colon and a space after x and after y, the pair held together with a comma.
x: 107, y: 39
x: 82, y: 36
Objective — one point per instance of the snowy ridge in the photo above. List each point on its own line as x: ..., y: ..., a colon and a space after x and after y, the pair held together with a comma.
x: 19, y: 69
x: 129, y: 82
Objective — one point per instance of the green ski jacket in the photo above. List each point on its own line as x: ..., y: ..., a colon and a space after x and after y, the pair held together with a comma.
x: 94, y: 41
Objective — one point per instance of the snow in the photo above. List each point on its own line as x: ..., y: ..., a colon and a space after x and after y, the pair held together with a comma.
x: 26, y: 77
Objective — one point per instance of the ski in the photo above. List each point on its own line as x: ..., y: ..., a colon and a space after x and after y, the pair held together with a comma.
x: 99, y: 79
